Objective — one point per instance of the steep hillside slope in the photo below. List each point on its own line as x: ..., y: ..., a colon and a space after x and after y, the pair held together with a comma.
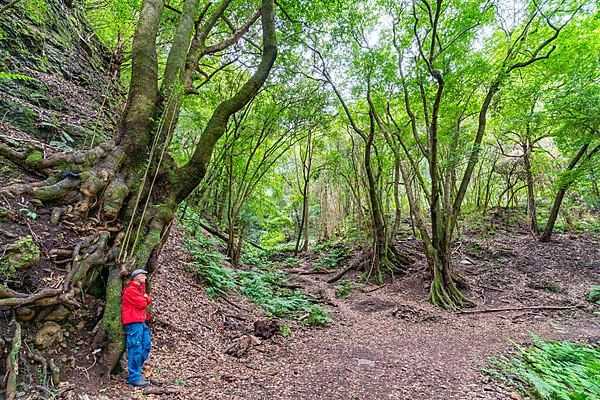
x: 56, y: 92
x: 55, y: 82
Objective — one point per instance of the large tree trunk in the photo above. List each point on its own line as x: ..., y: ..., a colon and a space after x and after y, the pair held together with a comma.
x: 444, y: 291
x: 126, y: 192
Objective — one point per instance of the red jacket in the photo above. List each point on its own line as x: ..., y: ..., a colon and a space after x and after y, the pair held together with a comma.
x: 133, y: 304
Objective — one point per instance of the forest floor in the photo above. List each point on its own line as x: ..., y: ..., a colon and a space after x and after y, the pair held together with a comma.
x: 388, y: 343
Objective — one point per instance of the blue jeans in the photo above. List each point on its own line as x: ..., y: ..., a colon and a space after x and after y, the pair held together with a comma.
x: 138, y: 348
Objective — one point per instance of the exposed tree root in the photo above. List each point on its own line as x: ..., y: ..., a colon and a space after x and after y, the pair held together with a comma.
x: 386, y: 258
x: 447, y: 296
x: 32, y: 157
x: 21, y: 299
x: 12, y: 364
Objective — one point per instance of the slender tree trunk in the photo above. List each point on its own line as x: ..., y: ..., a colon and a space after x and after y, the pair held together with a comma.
x: 397, y: 204
x: 562, y: 190
x: 300, y: 223
x: 305, y: 191
x: 305, y: 215
x: 531, y: 203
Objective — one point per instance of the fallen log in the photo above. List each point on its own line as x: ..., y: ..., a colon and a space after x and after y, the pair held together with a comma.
x: 305, y: 272
x: 374, y: 289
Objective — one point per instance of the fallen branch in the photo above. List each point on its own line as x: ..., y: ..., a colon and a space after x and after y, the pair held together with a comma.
x: 232, y: 303
x: 197, y: 376
x: 517, y: 309
x: 492, y: 288
x: 305, y: 272
x: 224, y: 237
x: 341, y: 274
x: 159, y: 390
x: 320, y: 299
x: 375, y: 288
x: 63, y: 390
x: 232, y: 316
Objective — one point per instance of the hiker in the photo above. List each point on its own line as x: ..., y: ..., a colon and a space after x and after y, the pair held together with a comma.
x: 134, y: 316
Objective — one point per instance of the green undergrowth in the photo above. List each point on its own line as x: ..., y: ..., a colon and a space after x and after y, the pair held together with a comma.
x: 332, y: 256
x: 594, y: 294
x: 344, y: 288
x: 551, y: 370
x: 263, y: 284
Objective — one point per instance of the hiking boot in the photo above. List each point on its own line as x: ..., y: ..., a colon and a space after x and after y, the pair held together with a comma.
x: 139, y: 383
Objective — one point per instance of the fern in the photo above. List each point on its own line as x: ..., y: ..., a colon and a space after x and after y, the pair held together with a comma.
x: 14, y: 77
x: 552, y: 370
x: 263, y: 286
x: 332, y: 258
x: 594, y: 294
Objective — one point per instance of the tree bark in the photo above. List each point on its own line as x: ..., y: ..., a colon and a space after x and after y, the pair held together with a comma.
x: 562, y: 190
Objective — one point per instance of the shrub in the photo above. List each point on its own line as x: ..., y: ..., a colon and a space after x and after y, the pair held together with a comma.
x: 343, y: 289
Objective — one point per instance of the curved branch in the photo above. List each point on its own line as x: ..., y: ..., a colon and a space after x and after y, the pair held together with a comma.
x: 192, y: 173
x: 235, y: 37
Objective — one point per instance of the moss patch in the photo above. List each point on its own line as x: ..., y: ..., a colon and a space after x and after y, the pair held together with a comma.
x: 19, y: 255
x: 34, y: 157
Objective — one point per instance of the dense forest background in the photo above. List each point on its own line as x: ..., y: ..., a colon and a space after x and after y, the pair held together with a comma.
x: 368, y: 140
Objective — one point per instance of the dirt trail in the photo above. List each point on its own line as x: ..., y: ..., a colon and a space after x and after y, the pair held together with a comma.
x: 382, y: 345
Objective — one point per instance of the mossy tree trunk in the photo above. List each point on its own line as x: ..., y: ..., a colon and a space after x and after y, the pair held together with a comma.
x: 445, y: 193
x: 130, y: 185
x: 384, y: 253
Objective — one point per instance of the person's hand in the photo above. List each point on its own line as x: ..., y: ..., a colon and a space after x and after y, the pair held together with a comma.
x: 145, y: 295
